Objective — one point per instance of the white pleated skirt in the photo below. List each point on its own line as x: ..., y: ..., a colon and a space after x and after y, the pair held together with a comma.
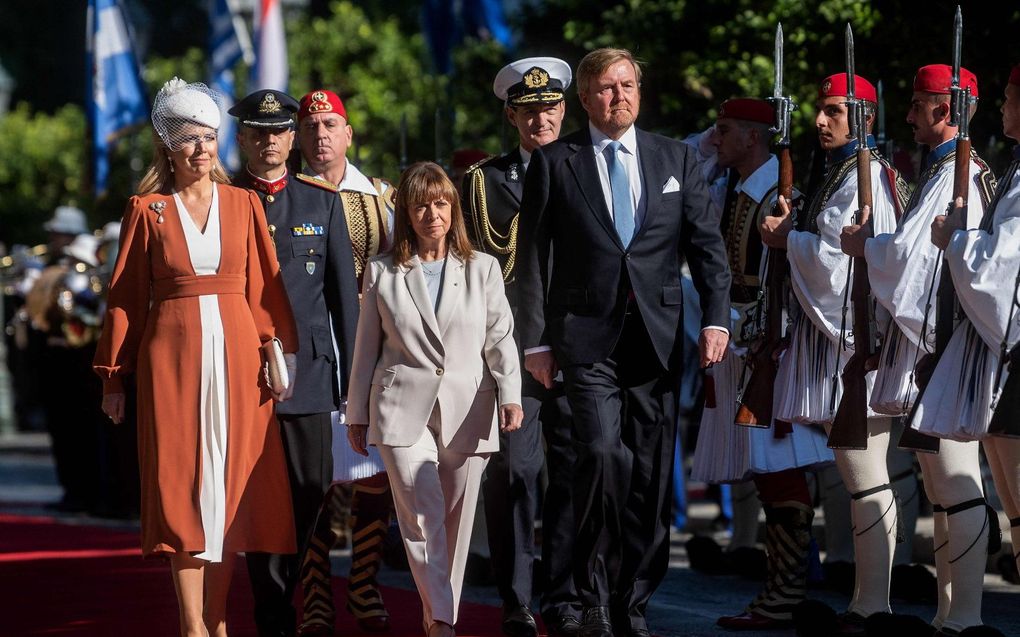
x: 895, y: 390
x: 349, y: 466
x: 957, y: 403
x: 728, y: 452
x: 721, y: 453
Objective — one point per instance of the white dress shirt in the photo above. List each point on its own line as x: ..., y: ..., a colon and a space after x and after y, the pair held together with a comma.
x: 628, y: 156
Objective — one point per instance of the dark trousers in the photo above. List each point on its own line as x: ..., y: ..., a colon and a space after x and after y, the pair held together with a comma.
x: 307, y: 444
x: 512, y: 499
x: 624, y: 414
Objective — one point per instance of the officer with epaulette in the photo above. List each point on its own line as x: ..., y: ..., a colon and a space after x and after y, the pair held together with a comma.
x: 314, y: 250
x: 532, y: 92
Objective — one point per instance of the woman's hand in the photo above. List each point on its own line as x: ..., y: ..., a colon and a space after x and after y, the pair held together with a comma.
x: 357, y: 435
x: 113, y: 406
x: 510, y: 417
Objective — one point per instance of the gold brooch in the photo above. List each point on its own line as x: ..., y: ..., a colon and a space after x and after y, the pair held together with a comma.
x: 157, y: 207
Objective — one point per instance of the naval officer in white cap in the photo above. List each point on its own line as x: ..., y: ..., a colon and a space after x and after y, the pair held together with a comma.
x: 532, y: 92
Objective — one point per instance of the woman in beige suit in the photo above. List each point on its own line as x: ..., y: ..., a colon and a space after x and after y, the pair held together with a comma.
x: 435, y: 372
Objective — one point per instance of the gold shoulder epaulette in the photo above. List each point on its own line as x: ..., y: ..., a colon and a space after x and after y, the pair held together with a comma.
x: 316, y: 181
x: 478, y: 164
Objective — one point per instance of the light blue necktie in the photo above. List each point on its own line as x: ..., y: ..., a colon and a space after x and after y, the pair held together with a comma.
x: 623, y: 205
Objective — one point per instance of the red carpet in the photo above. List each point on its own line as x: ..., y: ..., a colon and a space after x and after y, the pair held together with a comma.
x: 65, y: 579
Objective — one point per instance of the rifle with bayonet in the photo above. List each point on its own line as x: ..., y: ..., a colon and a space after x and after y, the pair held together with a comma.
x: 946, y: 303
x: 755, y: 402
x: 850, y: 423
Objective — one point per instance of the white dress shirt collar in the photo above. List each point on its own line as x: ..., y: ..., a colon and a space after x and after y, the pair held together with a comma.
x: 600, y: 140
x: 761, y: 180
x: 354, y: 180
x: 525, y: 157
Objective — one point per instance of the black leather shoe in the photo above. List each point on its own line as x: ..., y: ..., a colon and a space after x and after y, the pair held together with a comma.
x: 563, y: 626
x: 595, y: 622
x: 636, y: 632
x: 519, y: 622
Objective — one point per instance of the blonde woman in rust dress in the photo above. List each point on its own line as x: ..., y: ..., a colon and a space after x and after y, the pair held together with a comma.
x: 196, y: 290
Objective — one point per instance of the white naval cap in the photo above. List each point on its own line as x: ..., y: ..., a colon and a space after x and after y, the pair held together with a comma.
x: 539, y: 80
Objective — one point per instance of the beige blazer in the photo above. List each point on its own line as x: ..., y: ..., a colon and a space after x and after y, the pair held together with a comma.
x: 406, y: 358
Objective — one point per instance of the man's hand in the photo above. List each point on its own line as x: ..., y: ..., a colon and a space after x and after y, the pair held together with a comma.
x: 943, y: 227
x: 853, y: 238
x: 774, y: 230
x: 357, y: 435
x: 511, y: 416
x: 113, y: 406
x: 543, y: 367
x: 712, y: 346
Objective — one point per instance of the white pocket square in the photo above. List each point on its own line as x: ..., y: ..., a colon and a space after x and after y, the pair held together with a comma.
x: 672, y: 185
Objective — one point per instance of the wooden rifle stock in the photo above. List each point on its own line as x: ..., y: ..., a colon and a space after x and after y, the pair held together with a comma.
x: 850, y: 423
x: 755, y: 409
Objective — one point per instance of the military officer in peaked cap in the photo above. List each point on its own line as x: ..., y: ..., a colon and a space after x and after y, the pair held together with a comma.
x: 532, y: 92
x: 314, y: 250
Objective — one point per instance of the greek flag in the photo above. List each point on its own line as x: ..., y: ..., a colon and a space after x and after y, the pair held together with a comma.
x: 117, y: 99
x: 270, y: 68
x: 228, y: 43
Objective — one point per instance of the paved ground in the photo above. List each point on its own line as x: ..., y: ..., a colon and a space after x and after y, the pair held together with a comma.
x: 687, y: 603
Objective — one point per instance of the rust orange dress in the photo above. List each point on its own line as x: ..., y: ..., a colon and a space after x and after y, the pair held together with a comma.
x: 158, y: 327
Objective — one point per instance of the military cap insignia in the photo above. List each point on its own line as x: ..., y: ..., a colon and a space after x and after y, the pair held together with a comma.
x: 269, y: 104
x: 826, y: 86
x: 320, y: 103
x: 536, y: 77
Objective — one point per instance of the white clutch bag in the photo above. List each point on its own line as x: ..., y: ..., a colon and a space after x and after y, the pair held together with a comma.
x: 276, y: 366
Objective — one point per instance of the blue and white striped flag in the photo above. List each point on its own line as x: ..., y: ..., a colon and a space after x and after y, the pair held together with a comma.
x: 228, y: 43
x: 117, y: 99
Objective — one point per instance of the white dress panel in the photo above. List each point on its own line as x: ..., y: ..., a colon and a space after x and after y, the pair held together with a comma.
x: 204, y: 249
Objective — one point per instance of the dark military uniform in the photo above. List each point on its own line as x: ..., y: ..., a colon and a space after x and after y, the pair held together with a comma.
x: 492, y: 193
x: 314, y: 250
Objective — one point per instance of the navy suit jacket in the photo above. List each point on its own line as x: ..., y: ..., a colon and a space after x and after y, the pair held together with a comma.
x: 576, y: 302
x: 314, y: 249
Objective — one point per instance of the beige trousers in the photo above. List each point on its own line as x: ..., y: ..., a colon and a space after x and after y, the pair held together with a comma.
x: 435, y: 492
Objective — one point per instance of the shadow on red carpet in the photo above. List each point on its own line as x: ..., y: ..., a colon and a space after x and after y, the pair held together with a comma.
x: 58, y: 578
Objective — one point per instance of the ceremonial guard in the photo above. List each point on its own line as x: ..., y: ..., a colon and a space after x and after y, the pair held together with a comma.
x: 968, y: 396
x: 367, y: 206
x: 810, y: 380
x: 774, y: 458
x: 532, y: 91
x: 904, y: 271
x: 314, y: 250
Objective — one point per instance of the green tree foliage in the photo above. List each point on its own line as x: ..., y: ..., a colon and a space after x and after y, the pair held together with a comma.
x: 42, y: 165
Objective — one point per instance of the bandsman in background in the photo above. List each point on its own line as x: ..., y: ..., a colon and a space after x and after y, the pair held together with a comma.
x: 805, y: 382
x: 359, y: 483
x: 902, y: 270
x: 532, y: 92
x: 314, y: 250
x: 774, y: 458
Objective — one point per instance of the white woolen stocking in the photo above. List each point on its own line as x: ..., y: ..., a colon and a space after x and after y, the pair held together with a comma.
x: 968, y: 554
x: 942, y: 571
x: 746, y: 508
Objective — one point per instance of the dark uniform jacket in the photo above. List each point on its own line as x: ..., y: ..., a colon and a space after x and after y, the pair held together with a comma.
x: 314, y: 250
x: 491, y: 200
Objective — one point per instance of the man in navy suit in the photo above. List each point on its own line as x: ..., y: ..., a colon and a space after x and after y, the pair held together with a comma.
x: 609, y: 215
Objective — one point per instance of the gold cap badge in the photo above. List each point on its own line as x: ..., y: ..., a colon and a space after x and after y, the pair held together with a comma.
x: 269, y: 104
x: 320, y: 103
x: 536, y: 77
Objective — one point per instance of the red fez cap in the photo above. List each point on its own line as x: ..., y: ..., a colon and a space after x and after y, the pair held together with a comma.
x: 835, y: 86
x: 1014, y: 75
x: 468, y: 157
x: 748, y: 109
x: 938, y: 78
x: 321, y: 101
